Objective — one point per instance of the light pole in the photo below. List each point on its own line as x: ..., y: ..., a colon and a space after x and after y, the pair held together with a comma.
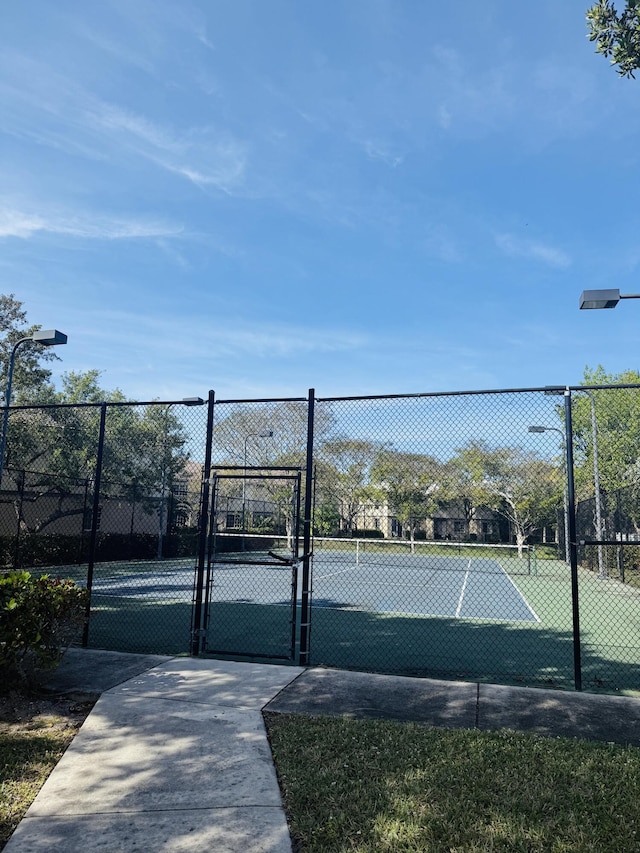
x: 47, y: 338
x: 244, y: 473
x: 186, y: 401
x: 602, y: 573
x: 537, y: 428
x: 600, y: 299
x: 596, y: 480
x: 603, y: 298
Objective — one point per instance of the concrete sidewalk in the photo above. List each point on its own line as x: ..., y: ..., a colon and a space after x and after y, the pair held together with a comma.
x: 174, y: 755
x: 173, y: 759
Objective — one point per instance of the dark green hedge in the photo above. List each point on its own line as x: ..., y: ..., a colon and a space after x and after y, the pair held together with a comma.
x: 41, y: 550
x: 365, y: 533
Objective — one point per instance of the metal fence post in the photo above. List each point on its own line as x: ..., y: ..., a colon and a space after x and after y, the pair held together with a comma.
x: 305, y: 612
x: 17, y: 563
x: 94, y: 521
x: 197, y: 621
x: 573, y: 545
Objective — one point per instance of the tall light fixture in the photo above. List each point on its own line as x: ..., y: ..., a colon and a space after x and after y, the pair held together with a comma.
x: 603, y: 298
x: 600, y: 299
x: 46, y: 338
x: 537, y: 428
x: 602, y: 572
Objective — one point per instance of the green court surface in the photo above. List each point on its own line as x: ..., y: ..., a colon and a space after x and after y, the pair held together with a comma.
x: 511, y: 651
x: 142, y: 626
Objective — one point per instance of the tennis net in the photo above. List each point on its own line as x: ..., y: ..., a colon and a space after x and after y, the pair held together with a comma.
x: 421, y: 554
x: 235, y: 548
x: 241, y: 548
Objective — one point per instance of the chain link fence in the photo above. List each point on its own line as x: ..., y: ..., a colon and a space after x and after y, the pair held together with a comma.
x: 453, y: 499
x: 480, y: 535
x: 109, y: 495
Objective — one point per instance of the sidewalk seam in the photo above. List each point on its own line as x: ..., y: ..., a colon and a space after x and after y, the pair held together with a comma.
x: 285, y: 687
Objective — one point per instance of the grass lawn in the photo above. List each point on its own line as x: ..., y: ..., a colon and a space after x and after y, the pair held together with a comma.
x: 34, y: 733
x: 365, y: 786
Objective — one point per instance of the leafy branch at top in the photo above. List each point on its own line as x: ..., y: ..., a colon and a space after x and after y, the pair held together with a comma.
x: 617, y: 34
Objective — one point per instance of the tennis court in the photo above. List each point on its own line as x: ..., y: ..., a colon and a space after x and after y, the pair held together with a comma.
x: 439, y: 611
x: 423, y: 580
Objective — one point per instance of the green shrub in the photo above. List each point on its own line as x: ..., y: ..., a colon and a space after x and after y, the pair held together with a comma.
x: 39, y: 617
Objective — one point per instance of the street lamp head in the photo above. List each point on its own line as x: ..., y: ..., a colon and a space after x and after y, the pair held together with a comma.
x: 192, y: 401
x: 537, y: 429
x: 599, y: 299
x: 49, y: 337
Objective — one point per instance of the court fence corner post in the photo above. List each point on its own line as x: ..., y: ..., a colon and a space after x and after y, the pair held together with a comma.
x: 573, y: 546
x: 305, y: 608
x: 95, y: 516
x: 198, y: 614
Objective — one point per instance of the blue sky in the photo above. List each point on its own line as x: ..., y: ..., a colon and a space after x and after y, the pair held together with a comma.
x: 361, y: 196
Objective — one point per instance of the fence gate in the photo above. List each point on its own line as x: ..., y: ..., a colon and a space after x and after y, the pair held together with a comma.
x: 252, y: 560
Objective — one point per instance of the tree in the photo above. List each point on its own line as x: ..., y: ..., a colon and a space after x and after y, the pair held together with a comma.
x: 346, y: 477
x: 31, y: 380
x: 617, y: 35
x: 463, y: 481
x: 522, y: 487
x: 265, y: 435
x: 410, y: 482
x: 618, y: 432
x: 618, y: 443
x: 51, y: 452
x: 241, y: 433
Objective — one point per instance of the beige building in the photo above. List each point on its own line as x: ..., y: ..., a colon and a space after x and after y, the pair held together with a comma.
x: 448, y: 523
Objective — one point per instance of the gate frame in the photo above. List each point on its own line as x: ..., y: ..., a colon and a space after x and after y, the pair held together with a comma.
x: 292, y: 473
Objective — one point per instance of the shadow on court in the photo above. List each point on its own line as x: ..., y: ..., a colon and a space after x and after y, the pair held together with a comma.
x: 512, y: 653
x: 145, y: 626
x: 515, y: 653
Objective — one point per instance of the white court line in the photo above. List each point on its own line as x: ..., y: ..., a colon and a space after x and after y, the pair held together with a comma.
x: 513, y: 584
x: 333, y: 574
x: 464, y: 586
x: 528, y: 606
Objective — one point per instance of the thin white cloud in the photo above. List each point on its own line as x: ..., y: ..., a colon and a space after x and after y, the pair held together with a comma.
x: 187, y: 338
x: 80, y: 123
x: 113, y: 118
x: 201, y: 155
x: 111, y: 46
x: 375, y: 151
x: 530, y: 249
x: 17, y: 223
x: 469, y: 97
